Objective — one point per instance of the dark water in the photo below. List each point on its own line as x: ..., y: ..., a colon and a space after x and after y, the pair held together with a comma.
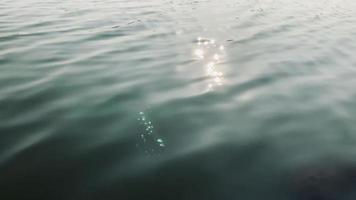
x: 178, y: 99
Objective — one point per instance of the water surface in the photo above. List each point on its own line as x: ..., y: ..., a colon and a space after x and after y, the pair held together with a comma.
x: 168, y: 99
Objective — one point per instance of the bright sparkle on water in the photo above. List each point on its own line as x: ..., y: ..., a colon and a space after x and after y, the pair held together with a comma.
x: 149, y: 138
x: 211, y: 55
x: 199, y: 53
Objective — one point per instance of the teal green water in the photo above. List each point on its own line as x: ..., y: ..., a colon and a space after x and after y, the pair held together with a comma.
x: 168, y: 99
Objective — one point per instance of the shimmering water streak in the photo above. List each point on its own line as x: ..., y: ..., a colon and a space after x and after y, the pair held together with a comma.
x: 149, y: 139
x: 211, y: 55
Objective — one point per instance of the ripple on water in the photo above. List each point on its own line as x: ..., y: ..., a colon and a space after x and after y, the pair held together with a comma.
x: 218, y: 99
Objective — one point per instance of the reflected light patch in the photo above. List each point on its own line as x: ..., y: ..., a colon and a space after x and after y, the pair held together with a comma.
x: 199, y: 53
x: 150, y: 141
x: 211, y: 54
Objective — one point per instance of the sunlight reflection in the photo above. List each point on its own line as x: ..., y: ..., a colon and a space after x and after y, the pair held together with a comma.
x: 150, y: 141
x: 211, y: 55
x: 199, y: 53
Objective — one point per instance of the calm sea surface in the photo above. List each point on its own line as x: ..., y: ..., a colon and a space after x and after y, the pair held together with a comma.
x: 178, y: 100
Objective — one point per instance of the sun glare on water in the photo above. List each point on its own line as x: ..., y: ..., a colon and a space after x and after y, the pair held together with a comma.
x: 211, y: 55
